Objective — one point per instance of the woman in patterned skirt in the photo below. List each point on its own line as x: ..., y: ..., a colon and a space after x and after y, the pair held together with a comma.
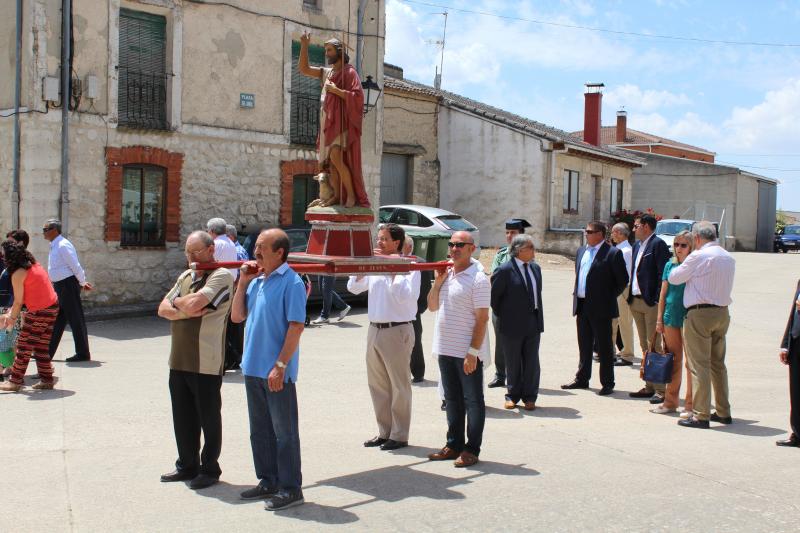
x: 33, y: 290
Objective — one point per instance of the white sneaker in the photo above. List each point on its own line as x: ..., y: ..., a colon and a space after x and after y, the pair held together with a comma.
x: 343, y: 313
x: 319, y: 320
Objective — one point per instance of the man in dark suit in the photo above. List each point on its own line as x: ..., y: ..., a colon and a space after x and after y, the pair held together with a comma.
x: 426, y: 280
x: 600, y: 277
x: 790, y: 355
x: 650, y: 255
x: 517, y: 302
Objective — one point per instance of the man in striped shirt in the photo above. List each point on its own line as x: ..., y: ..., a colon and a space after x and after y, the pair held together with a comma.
x: 462, y: 295
x: 708, y: 274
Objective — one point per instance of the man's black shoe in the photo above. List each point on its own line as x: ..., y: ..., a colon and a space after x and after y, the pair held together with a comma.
x: 693, y: 422
x: 374, y: 442
x: 78, y: 359
x: 444, y: 405
x: 642, y: 393
x: 792, y: 441
x: 393, y: 445
x: 417, y: 380
x: 178, y: 475
x: 284, y: 500
x: 497, y: 382
x: 575, y: 385
x: 202, y: 481
x: 657, y: 398
x: 258, y: 493
x: 622, y: 362
x: 722, y: 420
x: 605, y: 391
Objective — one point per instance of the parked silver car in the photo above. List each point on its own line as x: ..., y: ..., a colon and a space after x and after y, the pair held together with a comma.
x: 420, y: 217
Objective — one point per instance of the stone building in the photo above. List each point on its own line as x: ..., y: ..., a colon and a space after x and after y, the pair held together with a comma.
x: 493, y: 165
x: 179, y: 111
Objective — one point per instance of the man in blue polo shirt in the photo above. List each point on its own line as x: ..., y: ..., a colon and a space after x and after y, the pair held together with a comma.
x: 272, y: 298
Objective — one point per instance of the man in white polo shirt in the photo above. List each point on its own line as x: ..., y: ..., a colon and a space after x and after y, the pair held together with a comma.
x: 391, y: 307
x: 462, y: 295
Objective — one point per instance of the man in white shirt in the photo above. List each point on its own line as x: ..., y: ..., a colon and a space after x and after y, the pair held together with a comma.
x: 68, y: 278
x: 462, y: 296
x: 619, y: 236
x: 392, y: 307
x: 708, y: 273
x: 224, y: 249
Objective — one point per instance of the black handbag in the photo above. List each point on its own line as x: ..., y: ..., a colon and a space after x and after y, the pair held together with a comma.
x: 658, y: 366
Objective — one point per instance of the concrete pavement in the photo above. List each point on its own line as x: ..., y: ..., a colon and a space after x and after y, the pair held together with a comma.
x: 87, y: 456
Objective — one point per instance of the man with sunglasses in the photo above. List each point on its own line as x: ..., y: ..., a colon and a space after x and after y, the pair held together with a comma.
x: 600, y: 277
x: 69, y: 280
x: 462, y: 295
x: 392, y: 308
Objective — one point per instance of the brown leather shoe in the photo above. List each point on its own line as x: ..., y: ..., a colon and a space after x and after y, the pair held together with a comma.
x: 466, y: 459
x: 509, y: 404
x: 530, y: 406
x: 444, y: 454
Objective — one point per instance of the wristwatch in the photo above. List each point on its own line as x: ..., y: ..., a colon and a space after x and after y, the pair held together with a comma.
x: 474, y: 352
x: 280, y: 364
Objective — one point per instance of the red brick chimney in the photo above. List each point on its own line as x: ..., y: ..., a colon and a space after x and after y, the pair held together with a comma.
x: 622, y: 125
x: 593, y: 99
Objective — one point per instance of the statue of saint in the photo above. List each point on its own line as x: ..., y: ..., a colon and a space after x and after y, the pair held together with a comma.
x: 341, y: 112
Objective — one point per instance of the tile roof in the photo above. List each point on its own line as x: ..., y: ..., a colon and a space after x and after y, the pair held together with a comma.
x: 506, y: 117
x: 608, y: 136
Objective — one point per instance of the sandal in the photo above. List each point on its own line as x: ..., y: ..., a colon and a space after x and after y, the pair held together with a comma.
x: 43, y: 386
x: 661, y: 410
x: 9, y: 386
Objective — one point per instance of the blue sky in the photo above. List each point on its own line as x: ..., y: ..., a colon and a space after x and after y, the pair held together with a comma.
x: 742, y: 102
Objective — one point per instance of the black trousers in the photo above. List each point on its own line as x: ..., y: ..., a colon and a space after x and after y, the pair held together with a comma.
x: 593, y: 330
x: 794, y: 388
x: 196, y: 407
x: 234, y: 344
x: 70, y: 310
x: 499, y: 354
x: 522, y: 367
x: 417, y: 354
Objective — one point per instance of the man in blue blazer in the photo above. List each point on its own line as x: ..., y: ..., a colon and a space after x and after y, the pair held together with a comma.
x: 650, y: 256
x: 600, y: 277
x: 517, y: 302
x: 790, y: 355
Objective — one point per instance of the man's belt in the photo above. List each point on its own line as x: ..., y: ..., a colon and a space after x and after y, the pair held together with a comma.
x: 704, y: 306
x: 384, y: 325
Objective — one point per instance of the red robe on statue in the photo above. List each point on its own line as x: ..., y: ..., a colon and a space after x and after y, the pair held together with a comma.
x: 345, y: 114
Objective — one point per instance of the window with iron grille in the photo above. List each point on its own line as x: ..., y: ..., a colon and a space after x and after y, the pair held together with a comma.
x: 571, y: 180
x: 305, y: 97
x: 616, y: 195
x: 143, y: 205
x: 142, y: 95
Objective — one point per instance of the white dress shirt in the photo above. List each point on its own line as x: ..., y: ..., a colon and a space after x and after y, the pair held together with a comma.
x: 586, y: 263
x: 521, y: 266
x: 627, y: 254
x: 62, y: 261
x: 224, y: 251
x: 390, y: 298
x: 635, y: 290
x: 708, y: 274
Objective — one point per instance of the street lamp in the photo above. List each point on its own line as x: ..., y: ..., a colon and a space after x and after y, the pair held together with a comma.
x: 371, y: 93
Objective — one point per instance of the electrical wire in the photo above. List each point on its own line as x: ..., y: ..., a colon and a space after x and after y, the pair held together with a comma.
x: 604, y: 30
x: 761, y: 168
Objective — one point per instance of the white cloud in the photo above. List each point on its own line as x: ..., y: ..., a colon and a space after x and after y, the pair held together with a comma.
x: 689, y: 128
x: 635, y: 100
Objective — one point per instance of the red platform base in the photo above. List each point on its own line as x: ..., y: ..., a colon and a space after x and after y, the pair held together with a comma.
x: 340, y: 232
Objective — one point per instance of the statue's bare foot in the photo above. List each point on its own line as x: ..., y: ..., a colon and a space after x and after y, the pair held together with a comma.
x: 351, y: 202
x: 329, y: 202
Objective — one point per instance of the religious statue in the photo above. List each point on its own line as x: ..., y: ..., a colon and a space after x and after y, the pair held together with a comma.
x: 341, y: 111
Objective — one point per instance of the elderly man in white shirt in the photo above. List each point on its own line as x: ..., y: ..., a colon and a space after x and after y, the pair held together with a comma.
x: 619, y: 236
x: 392, y: 307
x: 224, y: 249
x: 68, y: 278
x: 708, y: 273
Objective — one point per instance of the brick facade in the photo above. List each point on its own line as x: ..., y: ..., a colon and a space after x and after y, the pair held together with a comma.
x: 289, y: 169
x: 116, y: 159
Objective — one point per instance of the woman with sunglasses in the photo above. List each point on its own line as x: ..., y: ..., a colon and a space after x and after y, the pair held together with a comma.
x: 671, y: 314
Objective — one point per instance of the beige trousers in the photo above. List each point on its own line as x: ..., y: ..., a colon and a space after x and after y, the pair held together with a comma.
x: 645, y: 317
x: 389, y: 379
x: 625, y: 325
x: 704, y: 335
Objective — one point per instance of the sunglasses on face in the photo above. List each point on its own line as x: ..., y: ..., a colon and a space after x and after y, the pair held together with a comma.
x: 591, y: 231
x: 457, y: 244
x: 681, y: 245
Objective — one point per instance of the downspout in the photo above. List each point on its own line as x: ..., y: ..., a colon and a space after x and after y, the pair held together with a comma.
x: 66, y: 91
x: 15, y: 220
x: 362, y: 5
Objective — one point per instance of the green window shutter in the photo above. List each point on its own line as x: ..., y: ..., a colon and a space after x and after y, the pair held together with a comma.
x: 304, y: 190
x: 305, y: 95
x: 142, y: 69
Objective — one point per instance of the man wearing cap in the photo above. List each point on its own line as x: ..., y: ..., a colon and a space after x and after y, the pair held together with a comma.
x: 514, y: 226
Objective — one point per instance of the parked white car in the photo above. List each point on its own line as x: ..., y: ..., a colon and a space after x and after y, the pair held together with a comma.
x: 667, y: 228
x: 420, y: 217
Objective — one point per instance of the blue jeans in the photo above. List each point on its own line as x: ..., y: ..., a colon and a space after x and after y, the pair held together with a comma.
x: 464, y: 399
x: 274, y: 434
x: 329, y: 296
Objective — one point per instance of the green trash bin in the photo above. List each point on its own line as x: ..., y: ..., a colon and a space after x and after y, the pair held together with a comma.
x: 430, y: 245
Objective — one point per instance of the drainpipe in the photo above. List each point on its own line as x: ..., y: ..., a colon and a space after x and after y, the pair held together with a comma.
x: 17, y: 97
x: 66, y: 90
x: 362, y: 5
